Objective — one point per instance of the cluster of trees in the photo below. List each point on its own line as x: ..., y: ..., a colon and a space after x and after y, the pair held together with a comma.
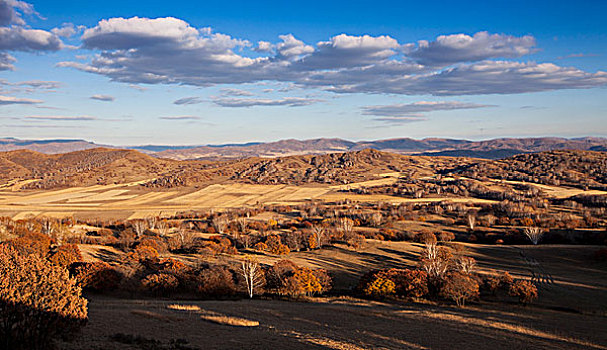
x: 443, y: 273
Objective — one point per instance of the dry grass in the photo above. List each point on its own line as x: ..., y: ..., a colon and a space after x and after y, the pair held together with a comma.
x: 215, y: 317
x: 229, y: 320
x: 183, y: 307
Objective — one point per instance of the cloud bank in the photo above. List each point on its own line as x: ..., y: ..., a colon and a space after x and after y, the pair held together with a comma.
x: 170, y: 51
x: 16, y: 35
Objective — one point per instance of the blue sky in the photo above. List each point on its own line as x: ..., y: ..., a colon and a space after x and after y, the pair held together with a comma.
x: 184, y: 72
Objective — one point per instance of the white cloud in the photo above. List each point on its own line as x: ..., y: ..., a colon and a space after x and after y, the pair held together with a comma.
x: 170, y: 51
x: 181, y: 117
x: 15, y: 35
x: 67, y: 30
x: 60, y: 117
x: 105, y: 98
x: 188, y: 101
x: 415, y: 110
x: 251, y: 102
x: 9, y: 100
x: 235, y: 92
x: 449, y: 49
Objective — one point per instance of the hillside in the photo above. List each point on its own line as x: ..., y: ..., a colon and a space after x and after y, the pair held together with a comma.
x: 584, y: 169
x: 45, y: 146
x: 80, y: 168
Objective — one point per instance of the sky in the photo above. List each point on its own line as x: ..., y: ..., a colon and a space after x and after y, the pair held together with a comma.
x: 195, y: 73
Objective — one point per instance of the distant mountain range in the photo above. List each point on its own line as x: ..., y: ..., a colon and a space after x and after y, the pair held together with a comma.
x: 488, y: 149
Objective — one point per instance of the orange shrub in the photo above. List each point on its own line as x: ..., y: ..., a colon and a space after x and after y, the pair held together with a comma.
x: 524, y: 290
x: 97, y: 276
x: 379, y: 285
x: 216, y: 282
x: 411, y: 283
x: 161, y: 284
x: 32, y: 243
x: 460, y: 288
x: 38, y: 301
x: 158, y: 245
x: 66, y: 255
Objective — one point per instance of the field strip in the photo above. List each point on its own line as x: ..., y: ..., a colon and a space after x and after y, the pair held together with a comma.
x: 142, y: 214
x: 148, y: 197
x: 194, y: 196
x: 336, y: 197
x: 49, y: 198
x: 26, y: 215
x: 111, y: 195
x: 370, y: 183
x: 303, y: 193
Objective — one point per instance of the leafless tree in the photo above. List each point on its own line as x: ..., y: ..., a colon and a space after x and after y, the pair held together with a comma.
x: 151, y: 221
x: 242, y: 224
x: 376, y: 219
x: 466, y: 264
x: 184, y: 237
x: 471, y: 221
x: 139, y: 226
x: 346, y: 225
x: 48, y: 226
x: 163, y: 227
x: 534, y: 234
x: 320, y: 234
x: 434, y: 261
x: 219, y: 223
x: 253, y: 275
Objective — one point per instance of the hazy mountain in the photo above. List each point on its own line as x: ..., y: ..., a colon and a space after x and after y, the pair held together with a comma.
x: 489, y: 149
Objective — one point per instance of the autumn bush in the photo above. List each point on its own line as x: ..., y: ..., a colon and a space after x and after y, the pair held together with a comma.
x: 459, y: 287
x: 525, y: 291
x: 32, y: 243
x: 286, y: 278
x: 38, y: 301
x: 412, y: 284
x: 96, y: 276
x: 215, y: 282
x: 160, y: 284
x: 65, y: 255
x: 378, y: 284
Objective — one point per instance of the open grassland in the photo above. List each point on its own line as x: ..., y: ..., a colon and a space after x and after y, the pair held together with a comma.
x: 570, y: 313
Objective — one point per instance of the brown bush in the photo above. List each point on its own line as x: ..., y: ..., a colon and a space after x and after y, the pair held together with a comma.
x: 66, y: 255
x: 161, y: 284
x: 403, y: 283
x: 286, y: 278
x: 425, y: 237
x: 411, y: 283
x: 525, y: 291
x: 460, y: 288
x: 157, y: 244
x: 142, y: 253
x: 96, y: 276
x: 32, y: 243
x: 275, y: 246
x: 216, y: 282
x: 38, y: 301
